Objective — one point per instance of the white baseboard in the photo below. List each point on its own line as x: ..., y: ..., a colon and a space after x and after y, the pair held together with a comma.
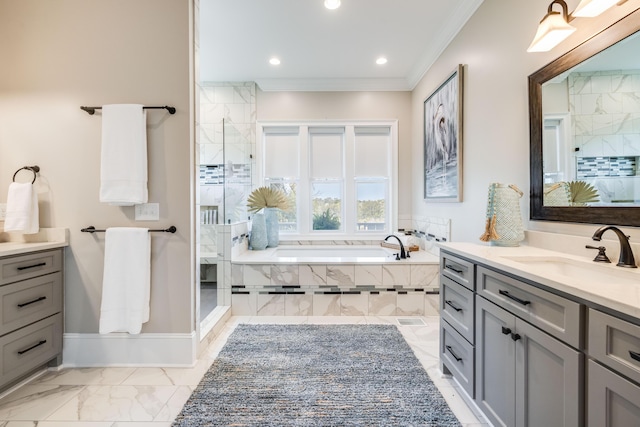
x: 122, y: 349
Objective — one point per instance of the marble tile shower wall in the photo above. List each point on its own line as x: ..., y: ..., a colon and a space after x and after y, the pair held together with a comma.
x: 431, y: 230
x: 605, y: 110
x: 225, y: 152
x: 232, y: 241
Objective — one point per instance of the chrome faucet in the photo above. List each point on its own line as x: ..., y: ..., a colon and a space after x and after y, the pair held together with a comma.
x: 626, y: 254
x: 403, y: 254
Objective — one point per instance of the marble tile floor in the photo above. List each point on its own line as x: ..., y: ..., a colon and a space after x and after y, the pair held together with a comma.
x: 152, y: 397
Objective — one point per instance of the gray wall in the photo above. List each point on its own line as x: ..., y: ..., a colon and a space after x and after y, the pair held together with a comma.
x: 59, y: 55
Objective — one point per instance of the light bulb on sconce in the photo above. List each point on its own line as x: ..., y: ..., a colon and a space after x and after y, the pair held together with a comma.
x: 593, y: 8
x: 332, y: 4
x: 554, y: 27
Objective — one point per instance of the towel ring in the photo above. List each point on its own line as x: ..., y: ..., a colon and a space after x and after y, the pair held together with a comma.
x: 34, y: 169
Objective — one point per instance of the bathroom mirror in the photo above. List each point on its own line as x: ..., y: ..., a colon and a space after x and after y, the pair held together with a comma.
x: 584, y: 126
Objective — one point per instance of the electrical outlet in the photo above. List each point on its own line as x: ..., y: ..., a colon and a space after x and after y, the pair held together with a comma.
x: 3, y: 211
x: 148, y: 212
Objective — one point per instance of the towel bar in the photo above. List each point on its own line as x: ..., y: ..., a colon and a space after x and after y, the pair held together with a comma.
x: 92, y: 229
x: 34, y: 169
x: 171, y: 110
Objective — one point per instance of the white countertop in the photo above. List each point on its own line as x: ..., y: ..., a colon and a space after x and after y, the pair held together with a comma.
x: 47, y: 238
x: 270, y: 256
x: 608, y: 285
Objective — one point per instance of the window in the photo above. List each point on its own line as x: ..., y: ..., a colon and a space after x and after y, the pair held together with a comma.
x: 340, y: 178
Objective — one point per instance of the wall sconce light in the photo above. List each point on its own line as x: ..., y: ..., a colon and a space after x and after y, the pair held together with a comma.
x: 555, y: 27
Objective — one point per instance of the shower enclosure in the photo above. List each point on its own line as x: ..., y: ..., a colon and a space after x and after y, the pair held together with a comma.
x: 226, y: 143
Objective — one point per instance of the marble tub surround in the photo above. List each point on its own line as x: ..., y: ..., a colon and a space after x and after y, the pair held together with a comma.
x: 599, y: 284
x: 47, y: 238
x: 267, y: 285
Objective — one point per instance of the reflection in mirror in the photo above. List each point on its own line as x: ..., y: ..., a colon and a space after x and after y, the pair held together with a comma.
x: 584, y: 118
x: 591, y: 130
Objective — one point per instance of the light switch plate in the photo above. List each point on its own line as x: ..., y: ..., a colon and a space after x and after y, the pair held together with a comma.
x: 148, y: 212
x: 3, y: 211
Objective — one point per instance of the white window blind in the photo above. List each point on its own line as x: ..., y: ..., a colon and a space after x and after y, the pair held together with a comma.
x: 326, y: 150
x: 281, y: 154
x: 372, y: 151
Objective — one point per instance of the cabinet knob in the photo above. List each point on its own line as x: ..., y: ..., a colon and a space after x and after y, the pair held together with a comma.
x: 506, y: 331
x: 515, y: 337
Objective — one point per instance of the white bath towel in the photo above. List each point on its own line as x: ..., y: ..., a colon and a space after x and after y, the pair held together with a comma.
x: 123, y: 168
x: 126, y: 280
x: 22, y: 209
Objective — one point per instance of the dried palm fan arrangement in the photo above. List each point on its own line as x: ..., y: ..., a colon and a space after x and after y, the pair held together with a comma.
x: 582, y: 193
x: 267, y: 197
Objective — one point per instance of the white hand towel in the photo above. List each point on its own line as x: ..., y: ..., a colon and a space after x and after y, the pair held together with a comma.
x: 126, y: 281
x: 22, y: 209
x: 123, y: 168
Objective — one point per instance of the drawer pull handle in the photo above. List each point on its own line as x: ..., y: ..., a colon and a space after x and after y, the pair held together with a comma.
x: 452, y: 305
x: 634, y: 355
x: 26, y: 267
x: 506, y: 331
x: 452, y: 268
x: 515, y: 337
x: 24, y: 304
x: 32, y: 347
x: 455, y: 356
x: 516, y: 299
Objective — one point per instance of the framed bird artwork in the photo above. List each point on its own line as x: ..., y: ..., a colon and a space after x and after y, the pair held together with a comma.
x: 443, y: 140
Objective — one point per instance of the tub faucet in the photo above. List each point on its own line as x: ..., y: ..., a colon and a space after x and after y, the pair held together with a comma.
x: 626, y: 254
x: 403, y: 254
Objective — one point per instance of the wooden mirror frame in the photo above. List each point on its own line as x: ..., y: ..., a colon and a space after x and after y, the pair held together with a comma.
x: 613, y: 215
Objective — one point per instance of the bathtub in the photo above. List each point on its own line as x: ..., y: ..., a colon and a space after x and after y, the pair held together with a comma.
x: 332, y: 254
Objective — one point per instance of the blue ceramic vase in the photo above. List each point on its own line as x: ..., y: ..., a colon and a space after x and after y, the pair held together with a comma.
x: 273, y: 228
x: 258, y: 237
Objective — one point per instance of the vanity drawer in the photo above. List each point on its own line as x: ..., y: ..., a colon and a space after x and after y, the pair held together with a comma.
x: 456, y: 307
x: 615, y: 343
x: 458, y: 356
x: 29, y: 301
x: 552, y: 313
x: 15, y: 268
x: 457, y: 269
x: 30, y: 347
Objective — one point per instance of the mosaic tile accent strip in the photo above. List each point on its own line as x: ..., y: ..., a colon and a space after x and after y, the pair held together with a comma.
x: 590, y: 167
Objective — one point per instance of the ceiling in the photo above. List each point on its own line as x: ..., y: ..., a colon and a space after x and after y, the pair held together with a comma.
x: 326, y: 50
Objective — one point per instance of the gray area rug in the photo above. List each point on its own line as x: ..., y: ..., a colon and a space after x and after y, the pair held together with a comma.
x: 316, y: 375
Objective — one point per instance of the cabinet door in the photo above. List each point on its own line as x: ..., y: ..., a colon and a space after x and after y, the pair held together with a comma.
x: 495, y: 363
x: 612, y: 401
x: 548, y: 386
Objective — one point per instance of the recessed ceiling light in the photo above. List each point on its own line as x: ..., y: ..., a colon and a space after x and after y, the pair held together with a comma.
x: 274, y: 61
x: 332, y: 4
x: 381, y: 61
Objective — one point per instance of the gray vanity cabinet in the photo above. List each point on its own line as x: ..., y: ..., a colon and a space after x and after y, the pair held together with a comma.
x: 31, y: 289
x: 457, y: 334
x: 613, y: 375
x: 524, y: 377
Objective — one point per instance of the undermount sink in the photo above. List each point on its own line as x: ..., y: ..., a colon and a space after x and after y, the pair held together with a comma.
x: 582, y: 270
